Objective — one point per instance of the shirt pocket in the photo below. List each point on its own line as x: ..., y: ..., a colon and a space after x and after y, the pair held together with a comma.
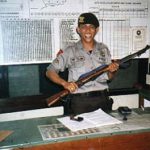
x: 100, y: 58
x: 77, y: 69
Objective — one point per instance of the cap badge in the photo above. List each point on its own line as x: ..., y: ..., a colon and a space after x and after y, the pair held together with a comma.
x: 81, y: 19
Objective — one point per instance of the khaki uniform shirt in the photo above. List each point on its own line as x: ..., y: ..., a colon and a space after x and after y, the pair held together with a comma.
x: 79, y: 61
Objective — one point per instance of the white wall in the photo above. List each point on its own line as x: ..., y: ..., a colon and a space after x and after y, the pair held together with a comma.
x: 131, y: 100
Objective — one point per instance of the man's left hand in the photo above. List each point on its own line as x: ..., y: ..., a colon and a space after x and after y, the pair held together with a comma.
x: 114, y: 66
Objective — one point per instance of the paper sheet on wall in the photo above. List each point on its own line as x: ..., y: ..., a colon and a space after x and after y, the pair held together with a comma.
x: 93, y: 119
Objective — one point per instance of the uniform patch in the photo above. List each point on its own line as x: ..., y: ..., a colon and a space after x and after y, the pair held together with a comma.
x: 72, y: 60
x: 60, y: 52
x: 81, y: 58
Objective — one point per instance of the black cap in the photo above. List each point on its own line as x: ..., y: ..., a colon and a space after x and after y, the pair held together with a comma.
x: 88, y: 18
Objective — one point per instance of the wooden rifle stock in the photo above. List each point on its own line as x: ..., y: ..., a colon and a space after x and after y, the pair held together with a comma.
x: 53, y: 99
x: 92, y: 75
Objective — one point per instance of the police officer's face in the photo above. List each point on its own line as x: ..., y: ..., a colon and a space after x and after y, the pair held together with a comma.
x: 87, y: 32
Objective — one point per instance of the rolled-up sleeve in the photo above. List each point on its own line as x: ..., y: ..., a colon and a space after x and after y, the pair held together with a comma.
x: 60, y: 63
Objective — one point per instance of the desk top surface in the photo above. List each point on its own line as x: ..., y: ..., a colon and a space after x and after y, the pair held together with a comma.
x: 27, y: 133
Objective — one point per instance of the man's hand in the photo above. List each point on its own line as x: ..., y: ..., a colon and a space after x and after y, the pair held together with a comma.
x: 113, y: 67
x: 70, y: 86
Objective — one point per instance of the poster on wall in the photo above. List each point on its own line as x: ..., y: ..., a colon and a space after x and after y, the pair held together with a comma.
x: 139, y: 37
x: 32, y: 31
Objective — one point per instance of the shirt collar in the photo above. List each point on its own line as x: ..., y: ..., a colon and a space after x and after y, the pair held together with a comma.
x: 80, y: 46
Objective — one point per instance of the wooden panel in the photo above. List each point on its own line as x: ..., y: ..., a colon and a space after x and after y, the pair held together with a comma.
x: 127, y: 142
x: 140, y: 141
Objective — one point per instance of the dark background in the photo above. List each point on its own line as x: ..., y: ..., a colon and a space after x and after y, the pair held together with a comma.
x: 20, y: 84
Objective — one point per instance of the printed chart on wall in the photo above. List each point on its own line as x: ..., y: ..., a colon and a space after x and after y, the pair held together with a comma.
x: 33, y: 31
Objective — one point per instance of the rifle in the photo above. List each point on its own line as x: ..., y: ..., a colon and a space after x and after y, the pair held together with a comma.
x: 92, y: 75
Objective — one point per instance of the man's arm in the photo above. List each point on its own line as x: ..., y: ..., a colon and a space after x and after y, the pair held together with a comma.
x: 53, y: 76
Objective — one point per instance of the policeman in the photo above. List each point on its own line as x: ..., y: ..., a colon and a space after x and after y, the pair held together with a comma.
x: 80, y: 58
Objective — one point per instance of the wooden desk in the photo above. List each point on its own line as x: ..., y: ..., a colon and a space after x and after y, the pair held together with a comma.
x: 133, y: 134
x: 139, y: 141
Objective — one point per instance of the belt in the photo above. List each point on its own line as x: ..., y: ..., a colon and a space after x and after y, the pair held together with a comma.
x: 91, y: 94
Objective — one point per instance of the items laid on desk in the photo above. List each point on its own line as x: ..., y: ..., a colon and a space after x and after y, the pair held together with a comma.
x: 125, y: 111
x: 54, y: 131
x: 58, y: 130
x: 81, y: 124
x: 72, y: 117
x: 93, y: 119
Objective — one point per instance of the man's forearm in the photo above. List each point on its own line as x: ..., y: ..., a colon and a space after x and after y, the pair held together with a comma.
x: 53, y: 76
